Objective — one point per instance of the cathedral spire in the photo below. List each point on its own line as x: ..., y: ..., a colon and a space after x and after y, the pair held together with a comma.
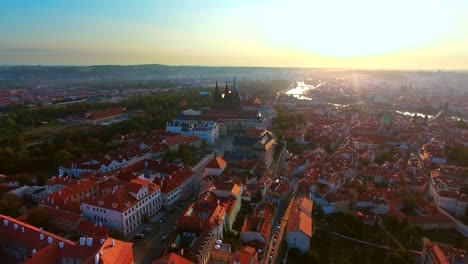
x: 234, y: 84
x: 216, y: 97
x: 226, y: 90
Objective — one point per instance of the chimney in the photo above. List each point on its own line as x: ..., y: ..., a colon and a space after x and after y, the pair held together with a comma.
x: 89, y: 241
x: 61, y: 244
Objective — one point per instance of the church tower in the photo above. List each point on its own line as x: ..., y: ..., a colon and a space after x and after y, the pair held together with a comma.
x: 231, y: 99
x: 217, y: 99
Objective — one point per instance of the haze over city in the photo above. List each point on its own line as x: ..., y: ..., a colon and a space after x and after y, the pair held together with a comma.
x: 234, y: 132
x: 338, y: 34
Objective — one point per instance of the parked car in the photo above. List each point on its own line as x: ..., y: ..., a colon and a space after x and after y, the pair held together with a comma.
x: 139, y: 236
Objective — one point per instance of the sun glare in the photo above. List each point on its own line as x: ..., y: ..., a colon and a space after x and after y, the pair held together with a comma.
x: 347, y: 29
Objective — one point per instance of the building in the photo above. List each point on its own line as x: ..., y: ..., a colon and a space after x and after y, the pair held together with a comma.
x: 333, y: 203
x: 215, y: 167
x: 300, y: 224
x: 23, y: 243
x: 229, y: 100
x: 207, y: 131
x: 215, y: 123
x: 196, y: 231
x: 106, y: 116
x: 267, y: 112
x: 247, y: 255
x: 447, y: 197
x: 433, y: 253
x: 172, y: 258
x: 260, y: 143
x: 125, y: 206
x: 177, y: 183
x: 230, y: 196
x: 256, y: 230
x: 76, y: 191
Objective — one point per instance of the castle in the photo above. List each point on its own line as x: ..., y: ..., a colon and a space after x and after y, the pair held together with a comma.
x: 229, y: 100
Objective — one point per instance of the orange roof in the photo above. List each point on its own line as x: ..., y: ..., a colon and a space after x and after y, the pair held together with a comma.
x: 298, y: 219
x: 117, y: 253
x: 121, y: 199
x: 307, y: 204
x: 246, y: 254
x: 305, y: 224
x: 236, y: 190
x: 106, y: 113
x: 172, y: 258
x: 217, y: 163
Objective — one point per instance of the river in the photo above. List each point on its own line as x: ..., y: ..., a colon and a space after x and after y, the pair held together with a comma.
x: 301, y: 92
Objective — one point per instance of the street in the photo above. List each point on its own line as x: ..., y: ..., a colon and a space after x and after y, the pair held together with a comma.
x: 151, y: 246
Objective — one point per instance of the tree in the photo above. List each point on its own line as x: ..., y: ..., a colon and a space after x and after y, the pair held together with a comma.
x: 41, y: 180
x: 394, y: 258
x: 328, y: 148
x: 258, y: 196
x: 38, y: 217
x: 187, y: 156
x: 61, y: 157
x: 318, y: 211
x: 116, y: 234
x: 409, y: 204
x: 10, y: 204
x: 25, y: 179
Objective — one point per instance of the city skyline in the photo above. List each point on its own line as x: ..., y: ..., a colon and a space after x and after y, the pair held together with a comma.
x: 335, y: 34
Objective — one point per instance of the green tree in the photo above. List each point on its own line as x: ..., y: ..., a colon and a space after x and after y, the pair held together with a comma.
x: 25, y: 179
x: 394, y: 258
x: 328, y: 148
x: 10, y: 204
x: 187, y: 156
x: 116, y: 234
x: 409, y: 204
x: 38, y: 217
x: 41, y: 180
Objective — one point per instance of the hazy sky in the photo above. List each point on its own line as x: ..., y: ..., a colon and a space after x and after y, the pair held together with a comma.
x: 416, y: 34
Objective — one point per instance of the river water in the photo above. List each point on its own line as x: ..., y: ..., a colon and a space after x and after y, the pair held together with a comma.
x: 301, y: 90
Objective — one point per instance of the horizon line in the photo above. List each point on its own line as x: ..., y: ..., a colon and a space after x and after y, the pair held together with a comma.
x: 228, y: 66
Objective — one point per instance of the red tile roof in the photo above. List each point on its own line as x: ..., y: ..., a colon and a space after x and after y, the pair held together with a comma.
x: 121, y: 199
x: 172, y: 258
x: 106, y: 113
x: 217, y: 163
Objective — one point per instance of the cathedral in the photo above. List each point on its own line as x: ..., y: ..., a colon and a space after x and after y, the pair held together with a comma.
x: 229, y: 100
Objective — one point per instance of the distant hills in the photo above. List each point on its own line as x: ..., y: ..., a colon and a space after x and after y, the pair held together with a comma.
x: 31, y: 76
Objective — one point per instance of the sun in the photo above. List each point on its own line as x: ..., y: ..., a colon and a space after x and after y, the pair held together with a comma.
x: 346, y: 29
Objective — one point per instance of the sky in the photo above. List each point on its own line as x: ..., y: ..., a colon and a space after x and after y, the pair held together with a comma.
x: 396, y: 34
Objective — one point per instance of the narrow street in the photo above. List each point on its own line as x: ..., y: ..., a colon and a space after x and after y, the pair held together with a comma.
x: 151, y: 246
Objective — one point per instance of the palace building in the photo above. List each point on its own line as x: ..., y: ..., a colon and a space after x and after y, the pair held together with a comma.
x: 225, y: 117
